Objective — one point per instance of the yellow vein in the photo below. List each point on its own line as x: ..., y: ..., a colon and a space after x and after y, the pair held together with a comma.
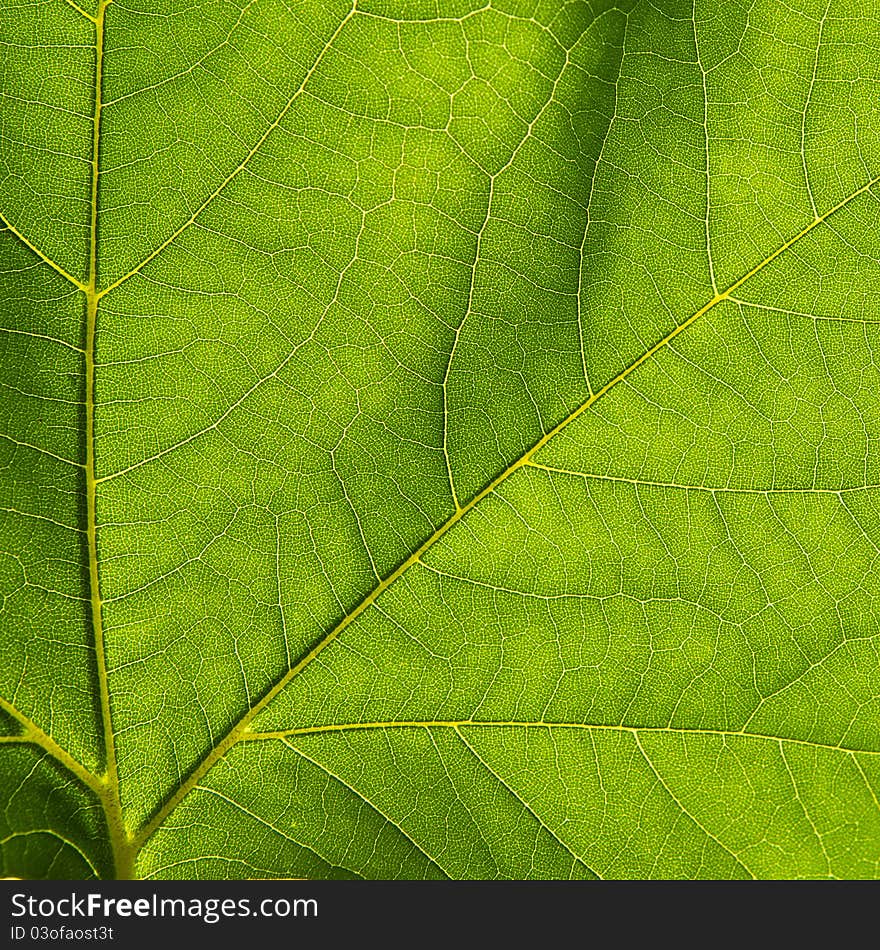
x: 80, y: 10
x: 525, y: 459
x: 52, y: 834
x: 31, y: 733
x: 541, y: 724
x: 243, y: 724
x: 833, y: 318
x: 42, y: 336
x: 44, y: 258
x: 712, y: 489
x: 241, y: 166
x: 42, y: 451
x: 122, y: 853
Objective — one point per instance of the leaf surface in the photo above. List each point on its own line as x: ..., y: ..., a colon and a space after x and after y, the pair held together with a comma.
x: 439, y: 439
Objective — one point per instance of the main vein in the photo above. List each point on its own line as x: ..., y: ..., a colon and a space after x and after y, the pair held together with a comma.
x: 241, y: 729
x: 111, y: 797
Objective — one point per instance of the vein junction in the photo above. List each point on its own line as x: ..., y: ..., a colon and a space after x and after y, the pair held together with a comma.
x: 106, y: 785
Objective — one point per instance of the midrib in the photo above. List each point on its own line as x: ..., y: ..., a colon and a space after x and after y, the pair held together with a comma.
x: 123, y: 853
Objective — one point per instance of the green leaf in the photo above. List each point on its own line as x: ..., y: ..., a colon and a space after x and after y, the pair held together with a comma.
x: 440, y: 439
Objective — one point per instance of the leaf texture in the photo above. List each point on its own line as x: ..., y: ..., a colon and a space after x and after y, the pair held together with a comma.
x: 439, y: 439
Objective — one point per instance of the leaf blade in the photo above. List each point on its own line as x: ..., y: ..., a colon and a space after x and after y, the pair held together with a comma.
x: 346, y: 483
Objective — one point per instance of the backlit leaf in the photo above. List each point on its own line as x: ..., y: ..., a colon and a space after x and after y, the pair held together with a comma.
x: 439, y: 439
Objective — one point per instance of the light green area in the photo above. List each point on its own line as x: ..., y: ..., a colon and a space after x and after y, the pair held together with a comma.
x: 439, y: 439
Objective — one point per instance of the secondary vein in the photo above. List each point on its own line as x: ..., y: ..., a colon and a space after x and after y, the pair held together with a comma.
x: 241, y: 166
x: 241, y: 728
x: 545, y: 724
x: 32, y: 734
x: 80, y: 10
x: 43, y: 257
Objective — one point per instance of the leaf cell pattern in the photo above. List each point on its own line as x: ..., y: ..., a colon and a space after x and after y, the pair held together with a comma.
x: 439, y: 438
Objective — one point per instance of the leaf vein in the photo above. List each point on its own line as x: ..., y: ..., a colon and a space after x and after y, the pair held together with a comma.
x: 240, y: 728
